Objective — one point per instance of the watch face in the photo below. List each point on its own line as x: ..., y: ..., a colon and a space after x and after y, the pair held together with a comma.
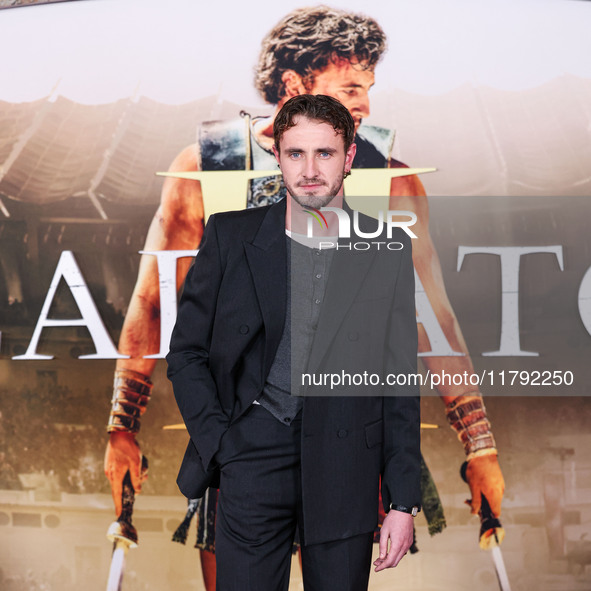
x: 414, y: 511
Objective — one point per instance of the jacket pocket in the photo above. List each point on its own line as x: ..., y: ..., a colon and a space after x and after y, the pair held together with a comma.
x: 192, y: 479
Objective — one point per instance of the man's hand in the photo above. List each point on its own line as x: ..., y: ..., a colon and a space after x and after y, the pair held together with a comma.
x: 398, y: 530
x: 123, y: 453
x: 484, y: 476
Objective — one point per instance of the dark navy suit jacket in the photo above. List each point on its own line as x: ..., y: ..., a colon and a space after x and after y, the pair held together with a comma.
x: 230, y: 321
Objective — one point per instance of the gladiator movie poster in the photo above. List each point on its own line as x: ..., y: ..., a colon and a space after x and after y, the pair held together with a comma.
x: 96, y: 98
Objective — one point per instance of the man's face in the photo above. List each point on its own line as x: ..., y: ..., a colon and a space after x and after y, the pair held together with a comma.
x: 348, y: 83
x: 313, y: 161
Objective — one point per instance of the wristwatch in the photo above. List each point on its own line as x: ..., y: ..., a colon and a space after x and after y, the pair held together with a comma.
x: 411, y: 510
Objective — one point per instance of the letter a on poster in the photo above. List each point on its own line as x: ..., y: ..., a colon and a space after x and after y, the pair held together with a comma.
x: 69, y: 270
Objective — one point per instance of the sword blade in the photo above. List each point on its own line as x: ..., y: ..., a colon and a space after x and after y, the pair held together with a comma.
x: 117, y: 566
x: 499, y: 563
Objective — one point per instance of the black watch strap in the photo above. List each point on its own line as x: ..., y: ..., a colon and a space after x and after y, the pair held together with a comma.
x: 410, y: 510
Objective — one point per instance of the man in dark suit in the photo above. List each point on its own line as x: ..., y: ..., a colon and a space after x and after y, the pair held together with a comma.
x: 262, y: 306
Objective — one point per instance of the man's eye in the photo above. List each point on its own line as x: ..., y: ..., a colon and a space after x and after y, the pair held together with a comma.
x: 324, y: 154
x: 295, y: 155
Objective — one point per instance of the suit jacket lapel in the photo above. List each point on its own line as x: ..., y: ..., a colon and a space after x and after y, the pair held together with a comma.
x: 267, y: 259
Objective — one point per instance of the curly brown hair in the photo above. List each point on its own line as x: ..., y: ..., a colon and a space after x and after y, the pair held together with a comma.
x: 307, y: 39
x: 318, y: 107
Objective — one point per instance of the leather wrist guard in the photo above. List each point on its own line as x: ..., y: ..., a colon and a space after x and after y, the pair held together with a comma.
x: 467, y: 417
x: 131, y: 392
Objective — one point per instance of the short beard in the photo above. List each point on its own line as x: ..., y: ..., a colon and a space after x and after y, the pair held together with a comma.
x: 314, y: 201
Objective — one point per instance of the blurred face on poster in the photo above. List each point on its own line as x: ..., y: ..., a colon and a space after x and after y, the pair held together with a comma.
x: 321, y: 50
x: 347, y: 81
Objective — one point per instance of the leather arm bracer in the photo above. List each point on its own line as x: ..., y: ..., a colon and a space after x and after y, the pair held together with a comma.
x: 467, y: 417
x: 131, y: 393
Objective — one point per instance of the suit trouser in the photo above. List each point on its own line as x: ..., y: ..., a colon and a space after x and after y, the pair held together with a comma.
x: 259, y: 506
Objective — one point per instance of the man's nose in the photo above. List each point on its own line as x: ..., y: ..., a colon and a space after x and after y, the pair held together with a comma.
x: 310, y: 168
x: 361, y: 106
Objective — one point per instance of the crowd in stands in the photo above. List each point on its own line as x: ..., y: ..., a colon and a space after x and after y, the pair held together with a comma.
x: 59, y: 433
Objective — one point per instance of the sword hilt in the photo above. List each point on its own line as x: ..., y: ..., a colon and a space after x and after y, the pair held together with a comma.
x: 123, y: 530
x: 491, y: 531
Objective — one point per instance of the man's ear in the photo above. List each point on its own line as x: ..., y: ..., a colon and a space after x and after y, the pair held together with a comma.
x: 276, y: 152
x: 294, y: 85
x: 349, y: 157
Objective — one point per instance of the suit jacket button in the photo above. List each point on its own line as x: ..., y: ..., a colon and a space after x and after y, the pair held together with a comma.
x: 353, y: 336
x: 244, y: 329
x: 341, y: 433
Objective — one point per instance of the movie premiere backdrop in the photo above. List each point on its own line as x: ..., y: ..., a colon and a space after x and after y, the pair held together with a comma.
x: 96, y: 97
